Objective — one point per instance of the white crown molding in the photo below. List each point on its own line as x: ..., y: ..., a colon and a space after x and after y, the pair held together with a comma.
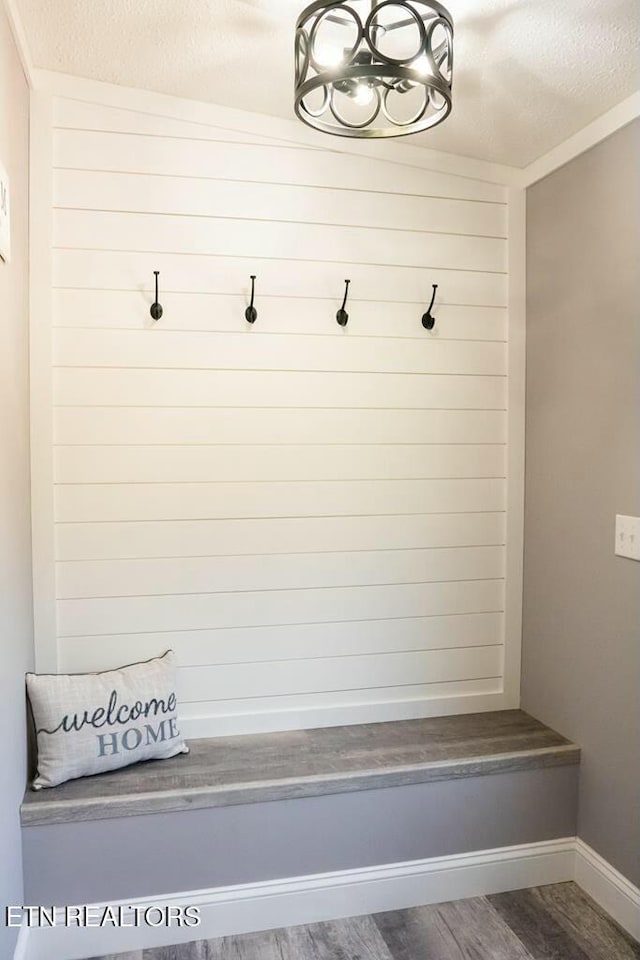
x: 20, y: 38
x: 588, y: 137
x: 608, y: 887
x: 279, y: 903
x: 290, y: 131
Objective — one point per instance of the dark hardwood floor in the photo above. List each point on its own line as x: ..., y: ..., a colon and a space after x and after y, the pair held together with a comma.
x: 557, y: 922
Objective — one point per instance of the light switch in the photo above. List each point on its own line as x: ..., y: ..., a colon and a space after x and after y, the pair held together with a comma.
x: 628, y: 537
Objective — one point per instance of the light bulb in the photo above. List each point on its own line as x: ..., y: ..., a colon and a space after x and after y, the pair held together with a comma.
x: 363, y: 95
x: 330, y: 57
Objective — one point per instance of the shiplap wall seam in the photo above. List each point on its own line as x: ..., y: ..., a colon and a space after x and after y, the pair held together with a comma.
x: 226, y: 181
x: 286, y: 503
x: 384, y: 653
x: 137, y: 154
x: 258, y: 258
x: 249, y: 220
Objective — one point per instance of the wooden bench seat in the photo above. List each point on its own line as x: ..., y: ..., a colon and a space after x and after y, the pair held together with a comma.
x: 277, y: 766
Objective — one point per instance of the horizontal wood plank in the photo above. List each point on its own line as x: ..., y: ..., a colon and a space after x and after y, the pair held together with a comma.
x: 252, y: 609
x: 145, y: 425
x: 194, y: 538
x: 220, y: 771
x: 129, y: 310
x: 297, y: 203
x: 264, y: 463
x: 165, y: 501
x: 86, y: 116
x: 125, y: 270
x: 120, y: 578
x: 268, y: 388
x: 220, y: 237
x: 163, y: 349
x: 247, y: 162
x: 284, y: 642
x: 196, y: 684
x: 256, y: 714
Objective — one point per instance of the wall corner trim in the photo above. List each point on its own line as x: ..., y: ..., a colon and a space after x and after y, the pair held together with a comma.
x: 40, y: 348
x: 517, y: 274
x: 599, y: 129
x: 608, y: 887
x: 20, y: 37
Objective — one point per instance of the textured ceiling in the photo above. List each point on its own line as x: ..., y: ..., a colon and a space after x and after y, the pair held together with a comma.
x: 528, y: 73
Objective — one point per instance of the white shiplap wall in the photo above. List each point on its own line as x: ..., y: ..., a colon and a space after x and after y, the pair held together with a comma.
x: 313, y: 518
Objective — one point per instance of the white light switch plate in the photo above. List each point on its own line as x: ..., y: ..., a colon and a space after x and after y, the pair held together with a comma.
x: 628, y: 537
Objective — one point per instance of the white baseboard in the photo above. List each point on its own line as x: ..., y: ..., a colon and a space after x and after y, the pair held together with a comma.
x: 608, y: 887
x: 280, y: 903
x: 22, y: 943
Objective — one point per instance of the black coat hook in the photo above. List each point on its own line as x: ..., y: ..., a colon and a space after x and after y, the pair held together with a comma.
x: 342, y: 316
x: 251, y: 314
x: 156, y: 309
x: 428, y: 321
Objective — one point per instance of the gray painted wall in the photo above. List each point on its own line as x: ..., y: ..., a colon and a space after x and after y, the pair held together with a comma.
x: 16, y: 630
x: 105, y: 860
x: 581, y: 657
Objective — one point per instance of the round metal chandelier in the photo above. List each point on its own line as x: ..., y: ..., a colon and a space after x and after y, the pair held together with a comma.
x: 373, y: 69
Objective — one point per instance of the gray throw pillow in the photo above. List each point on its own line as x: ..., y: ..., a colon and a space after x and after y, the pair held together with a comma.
x: 90, y: 723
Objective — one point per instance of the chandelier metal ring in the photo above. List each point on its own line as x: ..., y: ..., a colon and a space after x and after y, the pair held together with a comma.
x: 348, y: 53
x: 370, y: 26
x: 302, y: 55
x: 416, y: 116
x: 316, y: 112
x: 445, y: 52
x: 351, y: 124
